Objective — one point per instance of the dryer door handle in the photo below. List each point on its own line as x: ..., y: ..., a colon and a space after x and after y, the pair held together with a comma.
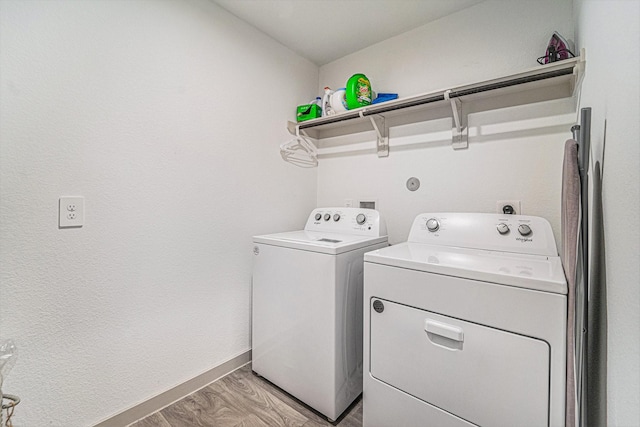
x: 451, y: 332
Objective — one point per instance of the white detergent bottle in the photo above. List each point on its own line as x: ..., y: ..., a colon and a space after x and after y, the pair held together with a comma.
x: 326, y: 103
x: 338, y: 103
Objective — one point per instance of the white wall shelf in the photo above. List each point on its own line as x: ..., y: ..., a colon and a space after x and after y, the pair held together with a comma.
x: 542, y: 83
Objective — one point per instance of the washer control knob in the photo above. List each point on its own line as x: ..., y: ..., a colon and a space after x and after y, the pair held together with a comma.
x: 318, y: 216
x: 361, y: 219
x: 327, y: 217
x: 503, y: 228
x: 336, y: 217
x: 433, y: 225
x: 524, y: 229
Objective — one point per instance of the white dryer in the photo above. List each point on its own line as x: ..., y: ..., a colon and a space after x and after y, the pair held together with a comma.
x: 465, y: 325
x: 307, y: 306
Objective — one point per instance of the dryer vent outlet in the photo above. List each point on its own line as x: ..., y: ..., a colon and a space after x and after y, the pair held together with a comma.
x: 509, y: 207
x: 368, y: 203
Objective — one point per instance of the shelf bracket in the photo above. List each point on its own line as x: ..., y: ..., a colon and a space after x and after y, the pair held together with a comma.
x: 460, y: 130
x: 292, y: 127
x: 382, y: 134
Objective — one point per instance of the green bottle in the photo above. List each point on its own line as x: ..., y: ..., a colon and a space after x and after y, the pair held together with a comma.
x: 358, y: 91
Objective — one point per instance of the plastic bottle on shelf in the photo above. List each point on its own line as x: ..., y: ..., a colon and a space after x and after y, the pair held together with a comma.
x: 338, y: 103
x: 358, y: 91
x: 326, y: 102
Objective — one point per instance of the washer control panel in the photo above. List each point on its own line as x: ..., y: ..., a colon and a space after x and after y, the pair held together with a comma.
x: 506, y: 233
x: 347, y: 220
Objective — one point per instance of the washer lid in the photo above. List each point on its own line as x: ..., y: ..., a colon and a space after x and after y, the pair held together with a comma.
x: 327, y: 243
x: 537, y: 272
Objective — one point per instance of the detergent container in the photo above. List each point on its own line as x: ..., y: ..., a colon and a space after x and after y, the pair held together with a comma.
x: 309, y: 111
x: 358, y: 91
x: 326, y: 103
x: 338, y: 101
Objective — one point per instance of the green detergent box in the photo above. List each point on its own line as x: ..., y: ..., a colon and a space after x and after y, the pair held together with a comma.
x: 308, y: 112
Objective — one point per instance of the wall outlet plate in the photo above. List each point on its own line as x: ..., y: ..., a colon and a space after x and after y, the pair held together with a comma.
x: 515, y: 204
x: 71, y: 212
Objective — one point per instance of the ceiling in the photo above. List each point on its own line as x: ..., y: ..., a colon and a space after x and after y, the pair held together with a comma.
x: 325, y: 30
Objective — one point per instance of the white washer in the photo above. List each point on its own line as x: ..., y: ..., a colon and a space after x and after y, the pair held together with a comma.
x: 465, y: 325
x: 307, y: 306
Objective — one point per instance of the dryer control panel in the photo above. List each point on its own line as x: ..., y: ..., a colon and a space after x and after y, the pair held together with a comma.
x: 359, y: 221
x: 506, y: 233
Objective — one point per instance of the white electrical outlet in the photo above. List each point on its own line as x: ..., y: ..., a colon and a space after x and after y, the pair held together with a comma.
x: 348, y: 203
x: 71, y: 212
x: 502, y: 207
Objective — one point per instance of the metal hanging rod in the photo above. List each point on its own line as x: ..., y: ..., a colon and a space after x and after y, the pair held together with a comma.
x: 512, y: 82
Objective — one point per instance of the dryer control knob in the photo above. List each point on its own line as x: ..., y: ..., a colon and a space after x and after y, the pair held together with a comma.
x: 361, y: 219
x: 524, y: 229
x: 503, y: 228
x: 327, y: 217
x: 336, y: 217
x: 433, y: 225
x: 318, y: 217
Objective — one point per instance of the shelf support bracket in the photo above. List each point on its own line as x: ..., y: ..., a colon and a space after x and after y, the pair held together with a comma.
x: 382, y: 134
x: 460, y: 130
x: 292, y: 127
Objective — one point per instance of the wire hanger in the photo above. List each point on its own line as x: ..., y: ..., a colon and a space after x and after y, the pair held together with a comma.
x: 300, y: 151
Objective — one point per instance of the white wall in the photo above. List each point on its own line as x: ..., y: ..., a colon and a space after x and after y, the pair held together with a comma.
x: 162, y: 115
x: 609, y: 31
x: 513, y: 154
x: 487, y: 40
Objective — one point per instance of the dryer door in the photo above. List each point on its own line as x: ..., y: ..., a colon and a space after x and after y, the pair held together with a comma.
x: 484, y: 375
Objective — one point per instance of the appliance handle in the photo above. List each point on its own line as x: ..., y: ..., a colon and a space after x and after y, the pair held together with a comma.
x: 451, y: 332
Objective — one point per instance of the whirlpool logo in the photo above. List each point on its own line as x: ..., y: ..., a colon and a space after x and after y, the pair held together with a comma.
x: 524, y: 239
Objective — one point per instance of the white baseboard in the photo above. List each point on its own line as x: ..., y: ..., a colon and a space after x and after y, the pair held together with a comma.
x: 162, y: 400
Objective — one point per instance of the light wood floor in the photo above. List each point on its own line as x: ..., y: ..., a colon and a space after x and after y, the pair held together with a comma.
x: 242, y: 399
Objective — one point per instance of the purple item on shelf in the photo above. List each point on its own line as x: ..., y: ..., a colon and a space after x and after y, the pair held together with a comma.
x: 558, y: 49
